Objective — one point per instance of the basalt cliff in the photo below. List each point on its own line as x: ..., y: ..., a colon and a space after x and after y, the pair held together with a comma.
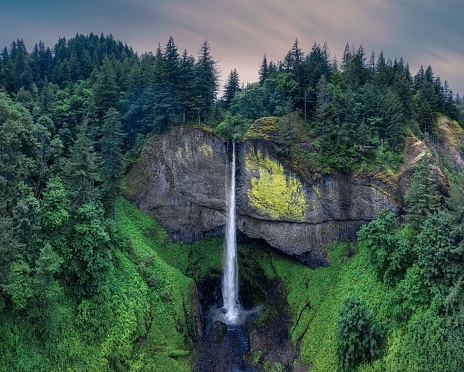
x: 180, y: 179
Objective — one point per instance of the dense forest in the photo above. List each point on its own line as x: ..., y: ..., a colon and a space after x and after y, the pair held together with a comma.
x: 74, y: 118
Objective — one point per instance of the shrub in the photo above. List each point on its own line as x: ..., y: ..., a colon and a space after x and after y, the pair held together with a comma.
x: 358, y: 337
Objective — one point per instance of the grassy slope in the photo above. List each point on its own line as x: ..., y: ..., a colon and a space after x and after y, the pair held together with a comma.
x: 314, y: 297
x: 137, y: 323
x: 107, y: 332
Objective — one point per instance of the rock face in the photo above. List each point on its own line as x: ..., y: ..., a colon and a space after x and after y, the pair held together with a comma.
x: 301, y: 219
x: 181, y: 180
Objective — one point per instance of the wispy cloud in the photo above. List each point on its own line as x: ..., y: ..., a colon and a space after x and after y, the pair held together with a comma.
x: 241, y: 31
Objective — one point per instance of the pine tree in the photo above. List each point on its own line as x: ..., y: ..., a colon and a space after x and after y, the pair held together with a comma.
x: 8, y: 71
x: 440, y: 251
x: 358, y: 337
x: 63, y: 78
x: 322, y: 115
x: 186, y: 82
x: 10, y: 247
x: 112, y: 157
x: 106, y: 92
x: 81, y: 168
x: 231, y: 88
x: 421, y: 198
x: 206, y: 81
x: 18, y: 152
x: 171, y: 63
x: 392, y: 126
x: 263, y: 71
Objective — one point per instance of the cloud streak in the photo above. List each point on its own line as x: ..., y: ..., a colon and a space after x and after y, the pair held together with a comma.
x: 242, y: 31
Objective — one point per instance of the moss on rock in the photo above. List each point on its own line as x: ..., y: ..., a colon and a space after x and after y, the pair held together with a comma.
x: 272, y: 192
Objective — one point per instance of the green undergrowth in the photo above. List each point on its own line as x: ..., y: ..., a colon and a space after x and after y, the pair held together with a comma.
x: 314, y: 296
x: 139, y: 321
x: 194, y: 260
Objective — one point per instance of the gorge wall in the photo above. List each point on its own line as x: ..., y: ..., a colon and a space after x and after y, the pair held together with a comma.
x: 301, y: 219
x: 180, y: 180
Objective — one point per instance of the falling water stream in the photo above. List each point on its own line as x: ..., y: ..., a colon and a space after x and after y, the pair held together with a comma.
x: 230, y: 280
x: 235, y: 341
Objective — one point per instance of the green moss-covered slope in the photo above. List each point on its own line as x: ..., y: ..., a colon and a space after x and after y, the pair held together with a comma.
x: 139, y: 322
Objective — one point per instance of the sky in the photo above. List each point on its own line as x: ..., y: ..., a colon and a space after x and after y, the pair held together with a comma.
x: 240, y: 32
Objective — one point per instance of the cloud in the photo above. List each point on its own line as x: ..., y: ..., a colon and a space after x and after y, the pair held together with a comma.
x: 240, y: 32
x: 447, y: 64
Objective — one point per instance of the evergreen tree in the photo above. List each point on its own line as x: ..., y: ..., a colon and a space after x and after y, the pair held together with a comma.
x: 390, y: 249
x: 231, y: 88
x: 358, y: 337
x: 440, y: 252
x: 355, y: 72
x: 322, y: 116
x: 285, y: 137
x: 171, y: 63
x: 186, y: 82
x: 421, y: 198
x: 8, y: 71
x: 293, y: 60
x: 22, y: 76
x: 10, y: 248
x: 64, y: 78
x: 18, y: 152
x: 112, y: 157
x: 106, y: 92
x: 250, y: 103
x: 206, y: 81
x: 80, y: 168
x: 424, y: 114
x: 314, y: 66
x: 263, y: 71
x: 90, y: 258
x: 392, y: 124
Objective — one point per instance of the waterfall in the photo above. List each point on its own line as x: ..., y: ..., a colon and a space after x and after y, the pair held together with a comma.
x: 230, y: 280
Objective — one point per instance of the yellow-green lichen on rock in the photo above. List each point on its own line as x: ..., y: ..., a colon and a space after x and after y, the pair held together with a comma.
x: 272, y: 192
x: 206, y: 150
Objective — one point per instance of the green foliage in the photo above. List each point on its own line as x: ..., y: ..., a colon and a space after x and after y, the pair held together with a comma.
x: 422, y: 198
x: 10, y: 254
x: 391, y: 252
x: 74, y: 295
x: 112, y: 156
x: 106, y: 91
x: 80, y: 170
x: 358, y: 337
x: 136, y: 321
x: 430, y: 344
x: 19, y: 151
x: 54, y: 206
x: 233, y: 127
x: 231, y: 88
x: 437, y: 255
x: 286, y: 136
x: 250, y: 102
x: 413, y: 295
x: 89, y: 260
